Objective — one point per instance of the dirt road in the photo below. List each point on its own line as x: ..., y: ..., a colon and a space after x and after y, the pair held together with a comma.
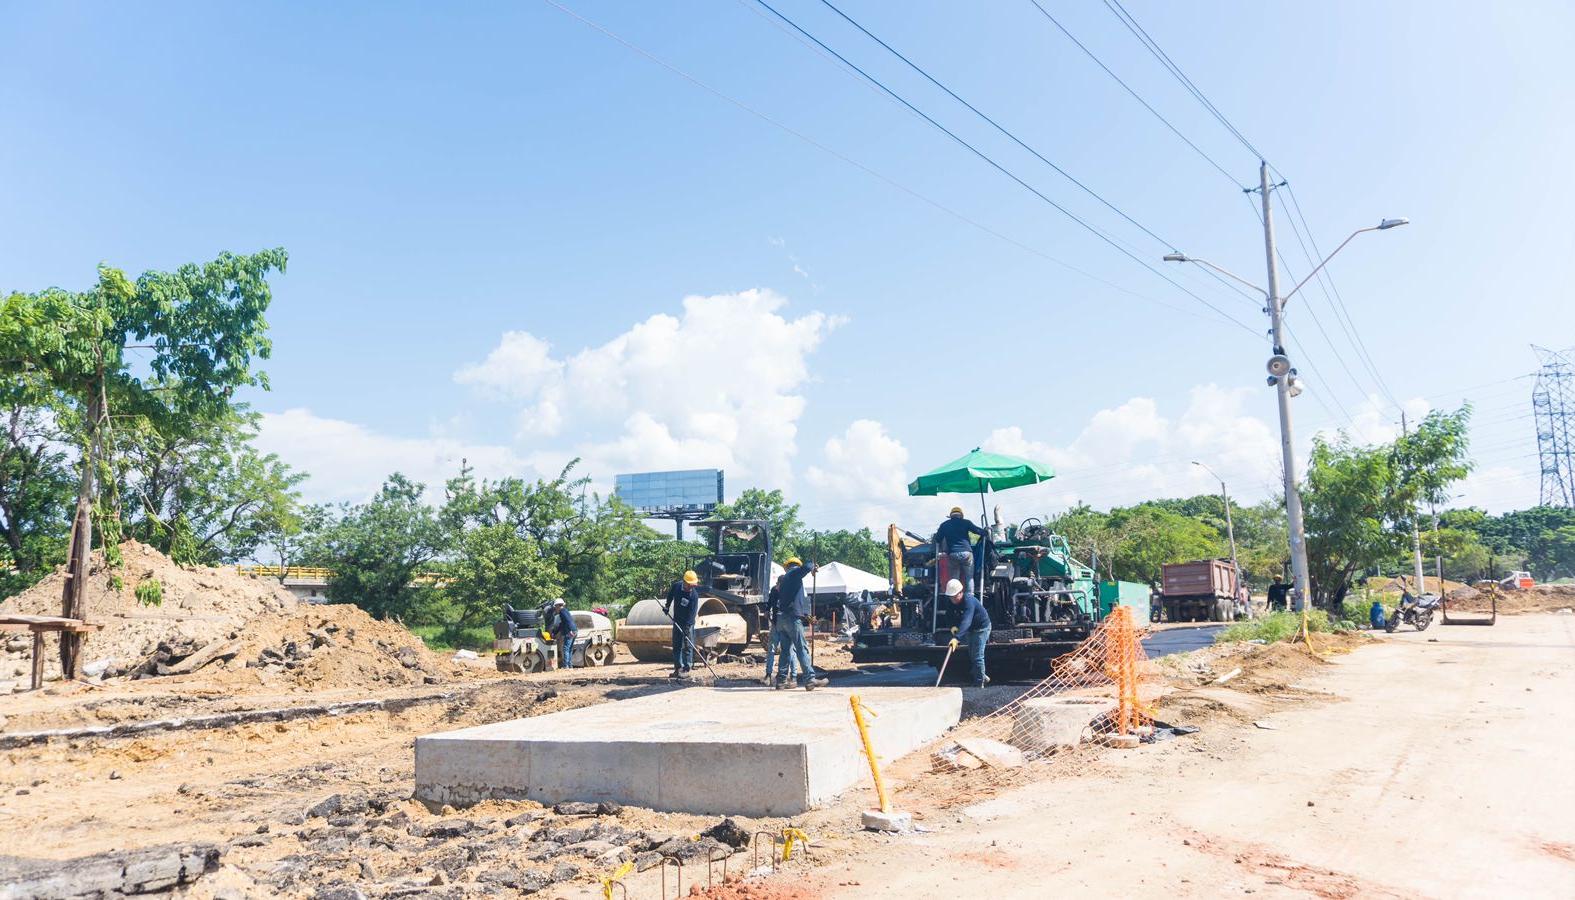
x: 1438, y: 766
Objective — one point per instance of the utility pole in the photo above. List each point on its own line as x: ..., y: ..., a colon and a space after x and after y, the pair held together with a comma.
x: 1416, y: 531
x: 1281, y: 372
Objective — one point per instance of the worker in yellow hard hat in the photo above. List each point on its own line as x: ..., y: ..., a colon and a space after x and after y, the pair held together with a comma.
x: 793, y: 614
x: 683, y: 602
x: 951, y: 542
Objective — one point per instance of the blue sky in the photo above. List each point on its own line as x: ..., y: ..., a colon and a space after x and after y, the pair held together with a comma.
x: 486, y: 206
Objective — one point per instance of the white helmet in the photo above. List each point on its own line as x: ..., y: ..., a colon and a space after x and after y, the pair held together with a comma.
x: 953, y: 588
x: 558, y: 602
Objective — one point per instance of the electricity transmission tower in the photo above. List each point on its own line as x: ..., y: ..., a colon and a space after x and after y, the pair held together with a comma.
x: 1553, y: 405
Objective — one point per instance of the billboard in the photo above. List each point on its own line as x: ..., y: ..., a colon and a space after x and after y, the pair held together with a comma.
x: 689, y: 490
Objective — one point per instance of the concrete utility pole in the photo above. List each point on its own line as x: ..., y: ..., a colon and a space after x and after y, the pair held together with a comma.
x: 1420, y: 587
x: 1230, y: 528
x: 1281, y: 375
x: 1281, y: 372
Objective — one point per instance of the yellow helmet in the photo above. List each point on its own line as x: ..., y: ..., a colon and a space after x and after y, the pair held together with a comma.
x: 957, y: 511
x: 793, y: 561
x: 690, y: 578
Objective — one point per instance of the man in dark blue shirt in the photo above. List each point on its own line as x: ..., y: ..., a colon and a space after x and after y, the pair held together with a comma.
x: 952, y: 539
x: 793, y: 612
x: 973, y: 627
x: 562, y: 628
x: 683, y: 602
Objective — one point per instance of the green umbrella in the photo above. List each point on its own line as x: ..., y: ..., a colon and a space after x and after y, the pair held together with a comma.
x: 978, y: 471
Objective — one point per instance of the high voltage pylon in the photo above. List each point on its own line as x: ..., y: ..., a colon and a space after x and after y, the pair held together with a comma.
x: 1553, y: 405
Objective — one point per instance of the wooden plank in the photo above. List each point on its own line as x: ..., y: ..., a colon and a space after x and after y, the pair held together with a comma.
x: 23, y: 619
x: 38, y: 660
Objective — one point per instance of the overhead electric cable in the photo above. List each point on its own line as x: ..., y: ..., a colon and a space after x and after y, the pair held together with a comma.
x: 635, y: 48
x: 1135, y: 95
x: 1008, y: 173
x: 1158, y: 53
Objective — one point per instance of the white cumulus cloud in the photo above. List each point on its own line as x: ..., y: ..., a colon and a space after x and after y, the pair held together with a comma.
x: 719, y: 384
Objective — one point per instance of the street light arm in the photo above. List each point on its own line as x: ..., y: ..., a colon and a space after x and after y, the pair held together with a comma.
x: 1325, y: 262
x: 1182, y: 257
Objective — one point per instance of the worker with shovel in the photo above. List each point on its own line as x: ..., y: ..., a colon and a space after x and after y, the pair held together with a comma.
x: 793, y: 614
x: 974, y: 627
x: 683, y: 603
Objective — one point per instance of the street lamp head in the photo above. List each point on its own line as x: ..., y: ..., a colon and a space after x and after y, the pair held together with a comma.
x: 1175, y: 257
x: 1387, y: 224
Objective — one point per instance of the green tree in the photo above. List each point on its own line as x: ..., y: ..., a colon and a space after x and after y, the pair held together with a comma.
x: 202, y: 328
x: 1352, y: 512
x: 377, y: 549
x: 1151, y: 536
x: 858, y: 548
x: 204, y: 494
x: 772, y: 507
x: 492, y: 565
x: 36, y: 485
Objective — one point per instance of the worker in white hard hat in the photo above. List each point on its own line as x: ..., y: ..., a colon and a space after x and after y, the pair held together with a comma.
x: 951, y: 541
x: 562, y: 628
x: 973, y: 627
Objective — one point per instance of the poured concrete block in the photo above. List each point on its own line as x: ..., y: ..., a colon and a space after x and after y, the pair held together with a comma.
x: 1045, y: 723
x: 753, y: 752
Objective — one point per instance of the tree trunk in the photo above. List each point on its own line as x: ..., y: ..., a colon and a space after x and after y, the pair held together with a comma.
x: 74, y: 597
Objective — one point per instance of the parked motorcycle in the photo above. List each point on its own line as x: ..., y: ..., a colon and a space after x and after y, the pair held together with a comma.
x: 1417, y: 611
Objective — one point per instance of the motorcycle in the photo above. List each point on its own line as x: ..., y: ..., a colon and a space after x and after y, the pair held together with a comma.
x: 1417, y: 611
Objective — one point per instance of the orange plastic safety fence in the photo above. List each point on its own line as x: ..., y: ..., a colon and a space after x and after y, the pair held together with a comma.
x: 1103, y: 687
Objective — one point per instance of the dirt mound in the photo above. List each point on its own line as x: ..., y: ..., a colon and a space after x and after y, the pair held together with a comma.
x: 332, y: 646
x: 201, y: 604
x: 1541, y: 598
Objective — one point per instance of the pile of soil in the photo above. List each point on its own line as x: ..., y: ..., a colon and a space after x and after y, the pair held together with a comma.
x: 333, y: 646
x: 1540, y: 598
x: 201, y: 604
x: 218, y: 628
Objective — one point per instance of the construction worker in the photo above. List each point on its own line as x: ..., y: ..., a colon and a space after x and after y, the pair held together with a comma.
x: 973, y: 627
x: 951, y: 538
x: 562, y: 628
x: 773, y: 645
x: 1278, y: 591
x: 793, y: 616
x: 683, y: 602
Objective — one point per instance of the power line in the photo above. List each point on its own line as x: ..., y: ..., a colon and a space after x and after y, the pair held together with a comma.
x: 1005, y: 171
x: 1128, y: 88
x: 1158, y: 53
x: 996, y: 125
x: 635, y: 48
x: 1338, y: 302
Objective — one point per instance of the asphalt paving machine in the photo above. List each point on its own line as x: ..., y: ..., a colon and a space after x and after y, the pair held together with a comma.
x: 1041, y: 598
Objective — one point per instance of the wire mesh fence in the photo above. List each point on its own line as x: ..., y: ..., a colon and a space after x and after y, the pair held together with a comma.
x: 1102, y: 691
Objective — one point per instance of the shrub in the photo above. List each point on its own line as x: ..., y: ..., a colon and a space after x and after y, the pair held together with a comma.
x: 150, y: 592
x: 1278, y: 626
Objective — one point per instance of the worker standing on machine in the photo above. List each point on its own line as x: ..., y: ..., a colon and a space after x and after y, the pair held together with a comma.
x: 973, y: 627
x: 683, y: 602
x: 564, y: 632
x: 952, y: 539
x: 793, y: 612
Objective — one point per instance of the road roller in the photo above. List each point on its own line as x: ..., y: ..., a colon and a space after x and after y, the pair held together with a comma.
x: 648, y: 632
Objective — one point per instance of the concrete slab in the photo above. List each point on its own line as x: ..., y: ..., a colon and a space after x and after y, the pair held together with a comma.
x: 1045, y: 723
x: 744, y: 751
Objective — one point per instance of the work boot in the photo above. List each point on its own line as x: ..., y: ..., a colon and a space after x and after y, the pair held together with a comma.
x: 768, y: 681
x: 810, y: 685
x: 780, y: 684
x: 674, y: 674
x: 819, y: 681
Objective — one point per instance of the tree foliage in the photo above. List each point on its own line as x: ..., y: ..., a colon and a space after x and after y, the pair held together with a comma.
x: 378, y: 549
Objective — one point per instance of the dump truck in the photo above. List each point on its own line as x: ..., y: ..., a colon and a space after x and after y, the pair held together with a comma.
x: 1203, y: 590
x: 1041, y: 598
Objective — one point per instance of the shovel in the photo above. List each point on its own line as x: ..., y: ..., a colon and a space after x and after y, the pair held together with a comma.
x: 949, y: 649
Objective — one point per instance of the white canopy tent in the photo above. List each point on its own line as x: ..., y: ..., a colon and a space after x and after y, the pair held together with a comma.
x: 841, y: 578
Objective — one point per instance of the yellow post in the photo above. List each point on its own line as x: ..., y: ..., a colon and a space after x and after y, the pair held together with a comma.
x: 869, y: 751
